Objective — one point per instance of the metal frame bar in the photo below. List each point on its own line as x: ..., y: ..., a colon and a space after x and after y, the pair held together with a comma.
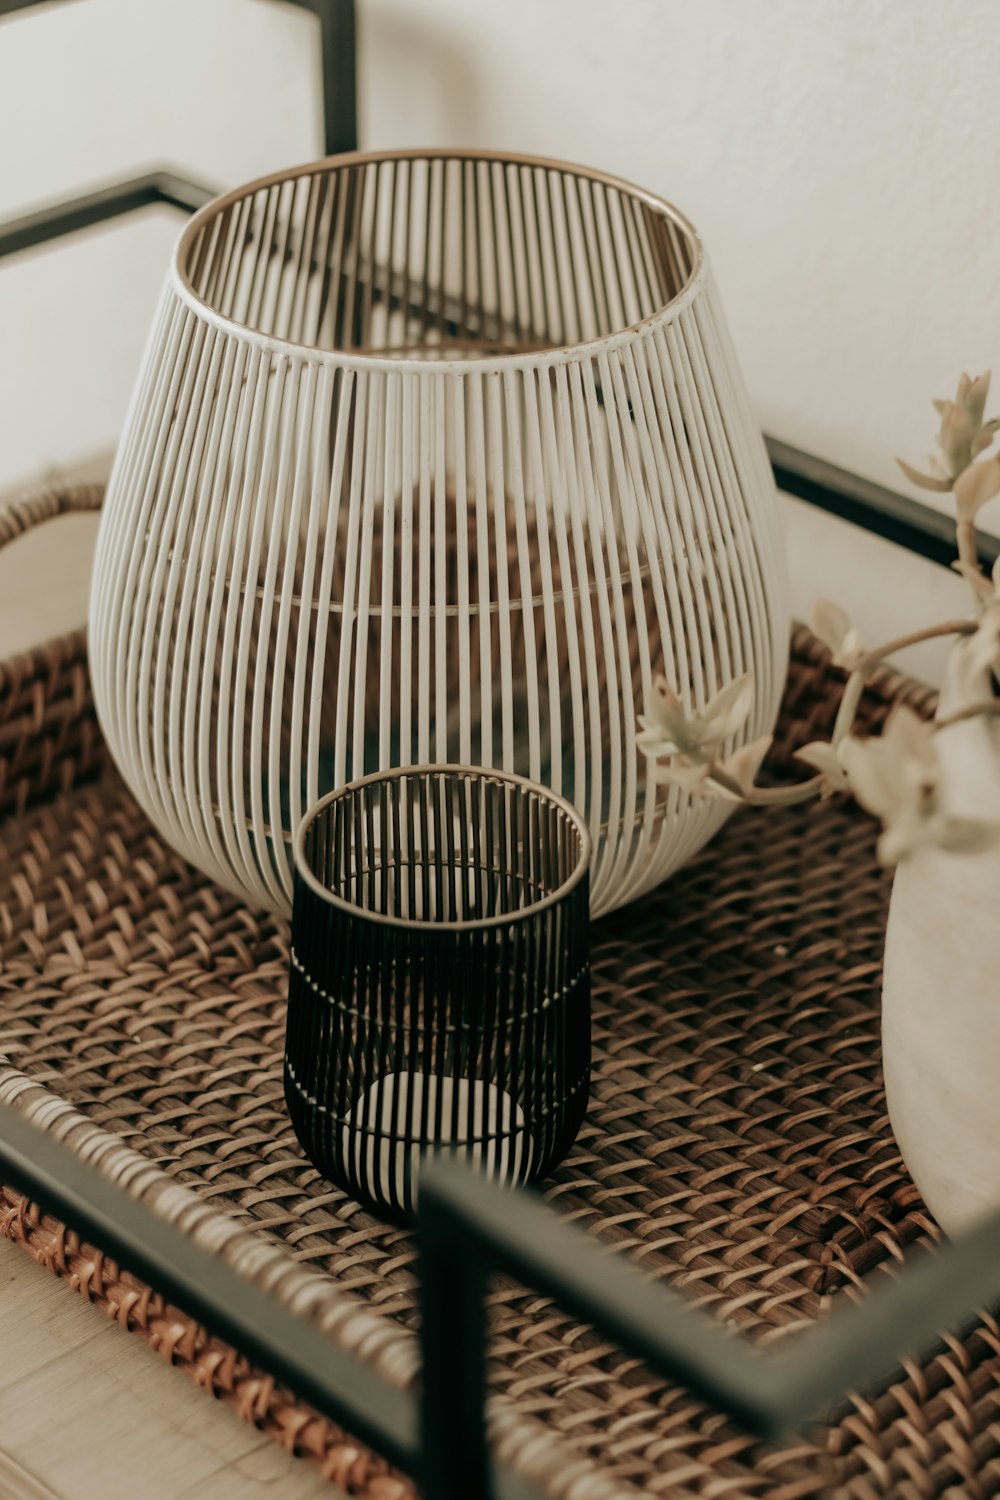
x: 169, y: 1261
x: 338, y: 56
x: 335, y: 1382
x: 469, y: 1228
x: 909, y: 523
x: 163, y: 185
x: 68, y: 215
x: 10, y: 7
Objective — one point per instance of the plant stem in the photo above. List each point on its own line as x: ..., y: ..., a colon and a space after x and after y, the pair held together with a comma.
x: 988, y: 708
x: 855, y: 683
x: 769, y: 796
x: 786, y: 796
x: 848, y: 705
x: 804, y: 791
x: 932, y: 632
x: 965, y: 536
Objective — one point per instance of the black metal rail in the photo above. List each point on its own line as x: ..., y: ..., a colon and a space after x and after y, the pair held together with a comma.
x: 335, y: 1382
x: 163, y: 185
x: 918, y: 528
x: 338, y: 56
x: 206, y: 1288
x: 69, y: 215
x: 468, y: 1228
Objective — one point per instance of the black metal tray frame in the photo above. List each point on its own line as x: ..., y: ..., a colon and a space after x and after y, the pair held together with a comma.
x: 468, y: 1228
x: 166, y: 185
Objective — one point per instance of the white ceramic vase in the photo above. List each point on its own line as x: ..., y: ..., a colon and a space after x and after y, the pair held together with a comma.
x: 941, y: 994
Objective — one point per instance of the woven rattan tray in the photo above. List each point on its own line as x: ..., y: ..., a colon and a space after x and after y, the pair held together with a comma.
x: 736, y: 1145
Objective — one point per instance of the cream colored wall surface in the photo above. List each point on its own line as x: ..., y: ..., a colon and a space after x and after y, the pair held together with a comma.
x: 840, y: 156
x: 222, y: 89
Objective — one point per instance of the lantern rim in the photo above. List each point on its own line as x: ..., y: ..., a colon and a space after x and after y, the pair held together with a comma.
x: 385, y: 364
x: 578, y: 873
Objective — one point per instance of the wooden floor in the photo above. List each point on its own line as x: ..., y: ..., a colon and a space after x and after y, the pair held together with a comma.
x: 88, y: 1412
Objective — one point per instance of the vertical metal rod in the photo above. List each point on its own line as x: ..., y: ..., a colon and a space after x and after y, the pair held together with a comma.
x: 338, y: 48
x: 453, y: 1351
x: 338, y: 51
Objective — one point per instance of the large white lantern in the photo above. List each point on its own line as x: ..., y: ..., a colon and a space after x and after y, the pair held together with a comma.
x: 434, y: 456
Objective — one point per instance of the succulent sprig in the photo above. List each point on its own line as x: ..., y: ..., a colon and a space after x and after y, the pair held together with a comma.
x: 898, y: 776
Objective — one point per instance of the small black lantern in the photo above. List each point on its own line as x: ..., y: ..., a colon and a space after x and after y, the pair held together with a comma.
x: 439, y: 989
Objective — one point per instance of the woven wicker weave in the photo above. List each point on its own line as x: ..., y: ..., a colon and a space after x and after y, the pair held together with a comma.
x: 736, y: 1144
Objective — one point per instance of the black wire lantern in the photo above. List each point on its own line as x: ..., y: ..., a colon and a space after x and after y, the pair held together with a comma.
x: 439, y: 988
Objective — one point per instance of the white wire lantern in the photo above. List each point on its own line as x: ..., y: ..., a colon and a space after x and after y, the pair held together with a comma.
x: 433, y: 457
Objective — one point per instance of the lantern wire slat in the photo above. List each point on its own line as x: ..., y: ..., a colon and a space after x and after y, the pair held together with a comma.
x: 433, y: 456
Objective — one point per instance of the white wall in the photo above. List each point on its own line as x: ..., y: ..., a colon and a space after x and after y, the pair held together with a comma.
x: 841, y: 159
x: 97, y: 90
